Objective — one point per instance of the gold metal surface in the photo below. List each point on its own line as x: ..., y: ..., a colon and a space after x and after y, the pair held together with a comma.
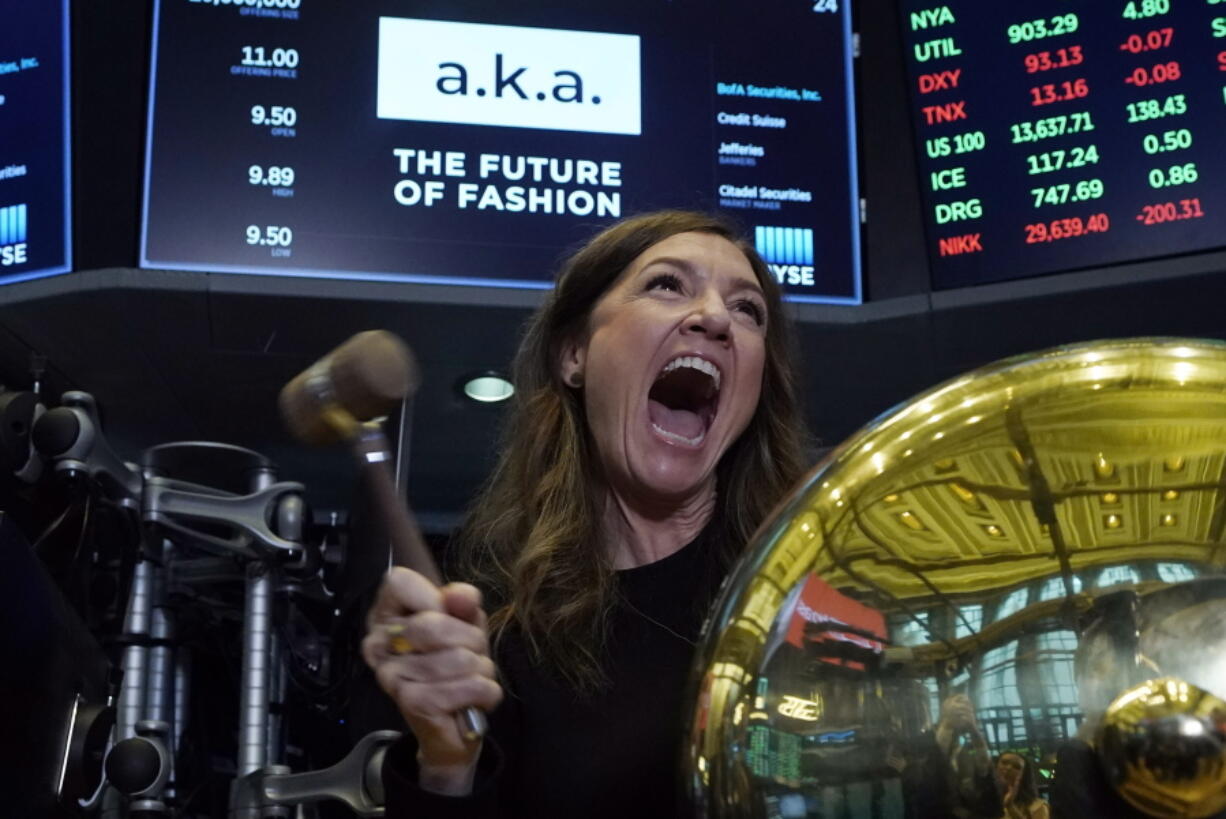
x: 1033, y: 534
x: 1161, y: 743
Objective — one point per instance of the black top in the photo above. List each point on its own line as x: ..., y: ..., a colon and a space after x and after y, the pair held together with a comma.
x: 614, y: 753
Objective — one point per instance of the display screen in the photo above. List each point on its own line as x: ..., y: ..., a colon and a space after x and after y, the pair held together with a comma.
x: 476, y: 143
x: 1064, y: 134
x: 35, y: 216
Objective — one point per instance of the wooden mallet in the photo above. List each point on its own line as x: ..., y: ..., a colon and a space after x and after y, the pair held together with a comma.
x: 331, y: 401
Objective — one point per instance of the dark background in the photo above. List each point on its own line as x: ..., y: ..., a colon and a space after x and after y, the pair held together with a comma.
x: 173, y: 355
x: 176, y: 355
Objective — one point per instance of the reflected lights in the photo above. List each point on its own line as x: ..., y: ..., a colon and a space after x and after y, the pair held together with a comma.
x: 800, y: 708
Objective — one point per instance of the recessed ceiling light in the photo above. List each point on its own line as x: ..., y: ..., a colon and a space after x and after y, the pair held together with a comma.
x: 487, y: 388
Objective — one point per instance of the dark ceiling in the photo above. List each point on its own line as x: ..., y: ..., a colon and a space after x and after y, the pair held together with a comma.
x: 181, y: 356
x: 172, y: 356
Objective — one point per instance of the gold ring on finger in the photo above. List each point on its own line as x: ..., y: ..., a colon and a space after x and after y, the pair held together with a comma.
x: 397, y: 643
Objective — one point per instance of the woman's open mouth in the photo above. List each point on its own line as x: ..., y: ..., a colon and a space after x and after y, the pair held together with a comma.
x: 684, y: 399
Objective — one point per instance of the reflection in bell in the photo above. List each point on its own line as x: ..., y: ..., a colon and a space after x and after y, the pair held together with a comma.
x: 1102, y: 467
x: 1164, y: 747
x: 1006, y: 616
x: 800, y: 708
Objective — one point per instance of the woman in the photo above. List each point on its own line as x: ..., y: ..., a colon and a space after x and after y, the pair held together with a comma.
x: 949, y: 772
x: 655, y: 425
x: 1021, y: 791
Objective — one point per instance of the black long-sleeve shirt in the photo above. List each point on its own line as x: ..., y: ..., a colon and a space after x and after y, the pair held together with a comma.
x: 614, y: 753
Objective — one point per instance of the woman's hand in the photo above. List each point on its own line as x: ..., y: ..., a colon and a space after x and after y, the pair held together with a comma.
x: 958, y: 714
x: 443, y: 666
x: 957, y: 718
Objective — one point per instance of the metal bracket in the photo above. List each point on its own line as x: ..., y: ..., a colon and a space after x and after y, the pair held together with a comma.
x: 356, y: 780
x: 176, y: 504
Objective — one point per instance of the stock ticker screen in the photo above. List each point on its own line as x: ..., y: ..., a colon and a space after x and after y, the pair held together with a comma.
x: 1063, y: 134
x: 418, y: 141
x: 35, y: 214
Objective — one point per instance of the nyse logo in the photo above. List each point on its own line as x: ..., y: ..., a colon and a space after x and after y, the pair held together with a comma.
x: 13, y: 235
x: 477, y: 74
x: 788, y: 252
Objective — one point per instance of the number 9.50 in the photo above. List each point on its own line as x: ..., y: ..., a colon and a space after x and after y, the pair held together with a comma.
x: 275, y: 115
x: 270, y: 236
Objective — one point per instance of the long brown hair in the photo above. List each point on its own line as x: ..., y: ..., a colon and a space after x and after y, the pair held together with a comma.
x: 1028, y: 782
x: 533, y: 540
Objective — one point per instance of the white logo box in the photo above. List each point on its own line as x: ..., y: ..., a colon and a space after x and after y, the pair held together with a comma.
x: 470, y: 74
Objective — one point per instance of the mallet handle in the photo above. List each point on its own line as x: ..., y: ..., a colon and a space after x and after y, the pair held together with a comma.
x: 408, y: 548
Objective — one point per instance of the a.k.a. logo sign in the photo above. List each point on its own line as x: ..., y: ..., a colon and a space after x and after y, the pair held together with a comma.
x: 478, y: 74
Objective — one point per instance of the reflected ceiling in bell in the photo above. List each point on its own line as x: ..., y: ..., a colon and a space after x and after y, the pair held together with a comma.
x: 1034, y: 538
